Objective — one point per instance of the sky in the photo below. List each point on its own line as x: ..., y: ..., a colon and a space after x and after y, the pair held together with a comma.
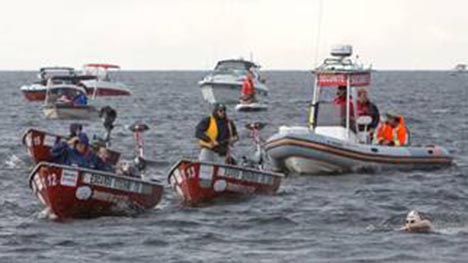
x: 195, y: 34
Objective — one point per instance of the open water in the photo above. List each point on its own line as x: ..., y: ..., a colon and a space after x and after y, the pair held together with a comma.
x: 345, y: 218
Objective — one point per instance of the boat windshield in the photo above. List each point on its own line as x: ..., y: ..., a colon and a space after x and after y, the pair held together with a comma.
x: 63, y: 95
x: 48, y: 73
x: 233, y: 65
x: 330, y: 110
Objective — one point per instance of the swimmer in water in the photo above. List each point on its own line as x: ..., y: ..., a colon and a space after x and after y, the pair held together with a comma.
x: 416, y: 224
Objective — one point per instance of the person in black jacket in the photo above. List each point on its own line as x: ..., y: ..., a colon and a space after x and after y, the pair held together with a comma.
x: 216, y: 133
x: 366, y: 108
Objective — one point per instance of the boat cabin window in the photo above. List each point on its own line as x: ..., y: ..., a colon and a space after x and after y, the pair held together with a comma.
x: 330, y: 110
x: 233, y: 65
x: 46, y: 73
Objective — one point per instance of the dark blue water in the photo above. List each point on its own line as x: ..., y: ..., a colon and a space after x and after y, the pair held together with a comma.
x: 348, y: 218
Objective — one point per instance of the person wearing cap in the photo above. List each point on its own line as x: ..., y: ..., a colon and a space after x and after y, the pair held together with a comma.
x: 365, y: 107
x: 216, y: 133
x: 392, y: 132
x: 248, y: 89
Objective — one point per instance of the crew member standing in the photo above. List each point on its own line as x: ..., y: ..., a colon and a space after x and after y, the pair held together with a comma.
x: 216, y: 133
x: 248, y: 89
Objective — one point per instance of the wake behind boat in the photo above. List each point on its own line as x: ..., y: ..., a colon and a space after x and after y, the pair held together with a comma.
x: 223, y: 85
x: 334, y: 142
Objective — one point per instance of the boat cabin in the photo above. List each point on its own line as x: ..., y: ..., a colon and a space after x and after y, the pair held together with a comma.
x: 66, y: 90
x: 235, y: 65
x: 333, y: 110
x: 48, y: 72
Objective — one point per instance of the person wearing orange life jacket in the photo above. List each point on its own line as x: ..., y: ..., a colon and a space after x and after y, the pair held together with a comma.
x: 248, y: 89
x: 393, y: 131
x: 216, y: 133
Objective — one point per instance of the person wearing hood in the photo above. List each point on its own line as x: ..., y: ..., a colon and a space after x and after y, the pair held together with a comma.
x: 74, y: 152
x: 216, y: 133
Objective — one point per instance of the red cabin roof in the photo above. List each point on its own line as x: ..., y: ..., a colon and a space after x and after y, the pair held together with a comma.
x: 101, y: 65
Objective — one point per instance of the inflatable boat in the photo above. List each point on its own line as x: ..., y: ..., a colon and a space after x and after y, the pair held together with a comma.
x: 337, y: 140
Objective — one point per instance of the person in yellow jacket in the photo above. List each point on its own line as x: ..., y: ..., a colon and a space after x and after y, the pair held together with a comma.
x: 216, y: 133
x: 393, y: 131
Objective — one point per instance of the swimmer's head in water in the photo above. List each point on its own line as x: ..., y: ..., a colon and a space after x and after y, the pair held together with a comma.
x: 413, y: 217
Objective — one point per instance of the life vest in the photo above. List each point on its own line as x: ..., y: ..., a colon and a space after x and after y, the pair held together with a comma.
x: 247, y: 87
x: 211, y: 132
x: 397, y: 135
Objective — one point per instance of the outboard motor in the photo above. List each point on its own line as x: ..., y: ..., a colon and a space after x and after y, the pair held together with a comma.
x: 138, y: 129
x: 108, y: 115
x: 257, y: 161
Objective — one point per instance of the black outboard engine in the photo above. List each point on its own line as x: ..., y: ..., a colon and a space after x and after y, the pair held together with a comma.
x: 108, y: 116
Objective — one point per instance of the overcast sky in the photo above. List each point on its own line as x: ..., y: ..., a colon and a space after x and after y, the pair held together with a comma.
x: 194, y: 34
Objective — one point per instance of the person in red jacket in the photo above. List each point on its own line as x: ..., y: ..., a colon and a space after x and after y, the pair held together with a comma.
x: 248, y: 89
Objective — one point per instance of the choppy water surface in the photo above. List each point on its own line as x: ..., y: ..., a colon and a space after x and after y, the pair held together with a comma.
x: 312, y: 219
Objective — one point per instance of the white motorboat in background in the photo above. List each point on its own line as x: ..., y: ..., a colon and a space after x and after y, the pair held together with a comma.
x: 97, y: 81
x: 66, y: 99
x: 224, y: 84
x: 37, y: 90
x: 102, y: 84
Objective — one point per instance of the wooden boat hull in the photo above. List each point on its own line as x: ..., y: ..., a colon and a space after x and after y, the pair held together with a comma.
x: 196, y: 182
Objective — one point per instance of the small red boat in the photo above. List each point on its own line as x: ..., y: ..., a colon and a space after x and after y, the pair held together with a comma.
x: 39, y: 143
x: 197, y: 182
x: 74, y: 192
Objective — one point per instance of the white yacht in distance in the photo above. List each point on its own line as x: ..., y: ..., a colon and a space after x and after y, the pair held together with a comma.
x: 224, y: 84
x: 460, y: 68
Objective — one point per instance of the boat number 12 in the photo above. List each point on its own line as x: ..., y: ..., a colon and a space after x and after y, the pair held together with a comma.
x: 52, y: 179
